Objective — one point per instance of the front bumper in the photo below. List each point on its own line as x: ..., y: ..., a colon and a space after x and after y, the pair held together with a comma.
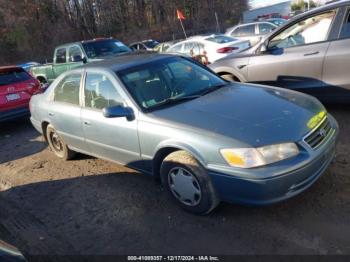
x: 14, y: 113
x: 265, y: 191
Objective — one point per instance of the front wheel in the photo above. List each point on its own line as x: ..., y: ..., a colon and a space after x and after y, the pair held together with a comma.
x: 57, y: 145
x: 188, y: 183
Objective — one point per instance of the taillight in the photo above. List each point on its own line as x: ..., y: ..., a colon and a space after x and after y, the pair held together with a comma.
x: 34, y: 88
x: 225, y: 50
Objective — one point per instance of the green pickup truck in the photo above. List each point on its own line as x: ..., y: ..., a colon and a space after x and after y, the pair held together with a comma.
x: 71, y: 55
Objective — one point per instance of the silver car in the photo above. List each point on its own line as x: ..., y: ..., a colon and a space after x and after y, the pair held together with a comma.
x: 251, y: 31
x: 310, y: 53
x: 207, y: 139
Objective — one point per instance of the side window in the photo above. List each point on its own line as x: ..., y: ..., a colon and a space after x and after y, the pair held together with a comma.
x: 345, y: 31
x: 188, y: 48
x: 265, y: 28
x: 68, y: 89
x: 100, y: 92
x: 61, y: 56
x: 198, y: 49
x: 142, y: 47
x: 247, y: 30
x: 311, y: 30
x: 176, y: 48
x: 133, y: 47
x: 236, y: 31
x: 74, y: 53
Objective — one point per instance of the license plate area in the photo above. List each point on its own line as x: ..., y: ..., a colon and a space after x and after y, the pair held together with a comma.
x: 12, y: 97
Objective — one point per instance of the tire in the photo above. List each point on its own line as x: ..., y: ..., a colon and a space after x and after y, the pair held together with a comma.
x: 228, y: 77
x: 57, y: 145
x: 196, y: 193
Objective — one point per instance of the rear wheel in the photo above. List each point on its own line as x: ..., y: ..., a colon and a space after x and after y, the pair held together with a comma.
x: 188, y: 183
x: 57, y: 145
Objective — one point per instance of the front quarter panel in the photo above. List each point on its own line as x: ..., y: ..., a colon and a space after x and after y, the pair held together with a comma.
x: 238, y: 67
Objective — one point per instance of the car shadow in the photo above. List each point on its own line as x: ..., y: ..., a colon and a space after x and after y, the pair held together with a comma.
x: 19, y: 139
x: 127, y: 213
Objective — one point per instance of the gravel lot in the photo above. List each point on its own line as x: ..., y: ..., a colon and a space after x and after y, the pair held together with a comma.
x: 90, y: 206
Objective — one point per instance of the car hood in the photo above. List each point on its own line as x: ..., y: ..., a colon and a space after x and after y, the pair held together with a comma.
x: 251, y: 114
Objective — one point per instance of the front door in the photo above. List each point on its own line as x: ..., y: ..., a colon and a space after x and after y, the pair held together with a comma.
x: 337, y: 63
x: 111, y: 138
x: 294, y: 57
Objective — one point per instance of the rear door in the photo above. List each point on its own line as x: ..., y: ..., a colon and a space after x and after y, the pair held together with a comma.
x: 65, y: 109
x: 111, y: 138
x: 337, y: 62
x: 295, y: 55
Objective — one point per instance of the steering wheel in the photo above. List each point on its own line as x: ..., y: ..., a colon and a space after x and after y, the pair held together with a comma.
x: 176, y: 90
x: 291, y: 41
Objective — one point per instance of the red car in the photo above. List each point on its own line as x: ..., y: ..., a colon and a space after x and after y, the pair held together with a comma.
x: 16, y: 88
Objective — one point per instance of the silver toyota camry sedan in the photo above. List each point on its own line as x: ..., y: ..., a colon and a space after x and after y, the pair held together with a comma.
x: 208, y: 140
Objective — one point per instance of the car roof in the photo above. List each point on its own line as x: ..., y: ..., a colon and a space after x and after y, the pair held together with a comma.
x: 7, y: 68
x: 86, y: 41
x: 325, y: 7
x: 126, y: 61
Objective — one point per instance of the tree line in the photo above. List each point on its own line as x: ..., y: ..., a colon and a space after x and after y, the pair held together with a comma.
x: 30, y: 29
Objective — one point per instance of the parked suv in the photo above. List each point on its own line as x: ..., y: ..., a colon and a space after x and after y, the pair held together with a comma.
x: 310, y: 54
x: 252, y: 31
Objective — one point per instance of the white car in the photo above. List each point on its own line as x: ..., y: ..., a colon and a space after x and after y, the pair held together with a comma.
x: 207, y: 49
x: 251, y: 31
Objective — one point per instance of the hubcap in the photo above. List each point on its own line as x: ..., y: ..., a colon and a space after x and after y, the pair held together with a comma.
x: 56, y: 142
x: 184, y: 186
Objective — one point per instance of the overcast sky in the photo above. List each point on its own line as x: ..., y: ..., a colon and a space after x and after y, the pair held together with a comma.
x: 260, y: 3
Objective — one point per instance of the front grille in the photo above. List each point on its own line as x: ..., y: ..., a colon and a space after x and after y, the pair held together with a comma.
x: 318, y: 136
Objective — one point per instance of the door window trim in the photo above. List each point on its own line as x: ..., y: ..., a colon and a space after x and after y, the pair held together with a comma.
x: 346, y: 17
x: 52, y: 98
x: 305, y: 18
x: 82, y: 91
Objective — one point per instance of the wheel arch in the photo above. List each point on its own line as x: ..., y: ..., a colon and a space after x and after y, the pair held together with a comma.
x: 166, y: 149
x: 44, y: 126
x: 229, y: 71
x: 41, y: 78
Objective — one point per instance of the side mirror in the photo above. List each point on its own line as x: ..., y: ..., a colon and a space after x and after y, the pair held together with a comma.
x: 263, y: 48
x: 118, y: 111
x: 84, y: 60
x: 76, y: 58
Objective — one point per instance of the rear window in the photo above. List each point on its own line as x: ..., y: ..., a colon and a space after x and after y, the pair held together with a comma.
x: 151, y: 43
x: 221, y: 39
x: 10, y: 76
x: 103, y: 48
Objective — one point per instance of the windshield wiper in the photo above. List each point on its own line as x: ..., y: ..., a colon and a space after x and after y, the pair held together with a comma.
x: 174, y: 100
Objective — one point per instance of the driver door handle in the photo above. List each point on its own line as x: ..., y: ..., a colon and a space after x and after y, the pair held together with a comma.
x: 51, y: 114
x: 313, y: 53
x: 87, y: 123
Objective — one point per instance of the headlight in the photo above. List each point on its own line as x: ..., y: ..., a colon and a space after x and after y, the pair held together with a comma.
x: 255, y: 157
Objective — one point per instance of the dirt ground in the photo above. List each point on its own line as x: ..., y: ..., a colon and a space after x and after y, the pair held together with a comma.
x: 90, y: 206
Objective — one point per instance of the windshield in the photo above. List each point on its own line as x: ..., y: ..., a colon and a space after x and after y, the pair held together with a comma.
x: 12, y: 76
x: 104, y: 48
x: 170, y: 79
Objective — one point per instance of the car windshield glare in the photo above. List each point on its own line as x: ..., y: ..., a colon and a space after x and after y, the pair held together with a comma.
x: 104, y: 48
x: 167, y: 79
